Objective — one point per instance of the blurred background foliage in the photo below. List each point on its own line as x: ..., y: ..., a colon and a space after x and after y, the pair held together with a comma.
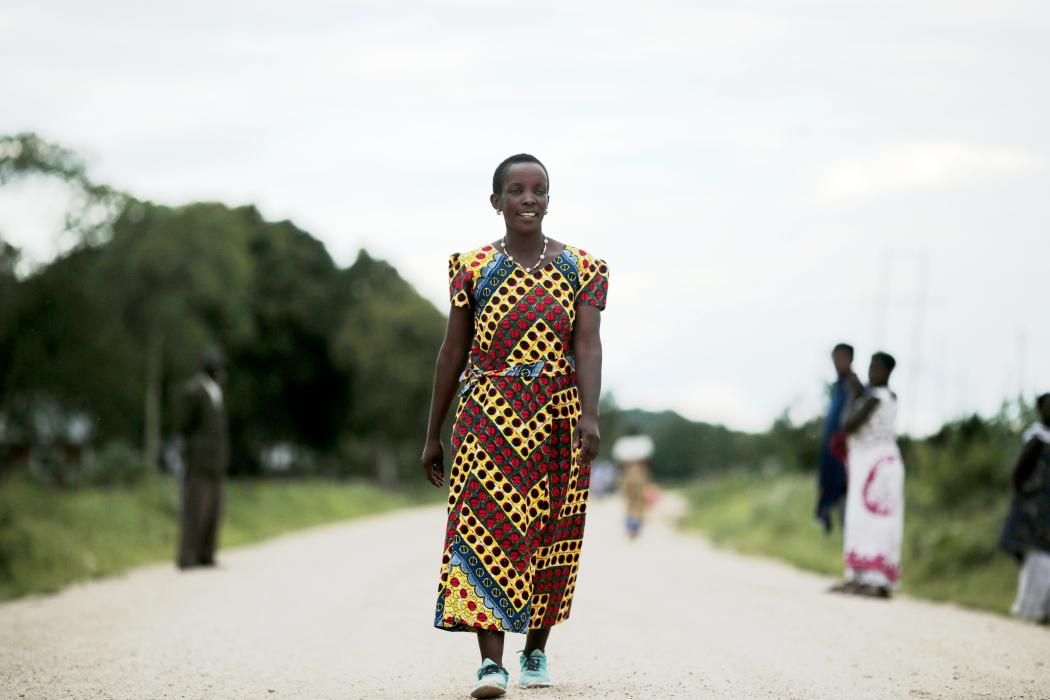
x: 329, y: 367
x: 329, y: 376
x: 957, y: 490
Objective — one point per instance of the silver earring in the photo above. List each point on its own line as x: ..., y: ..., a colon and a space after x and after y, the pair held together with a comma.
x: 499, y: 212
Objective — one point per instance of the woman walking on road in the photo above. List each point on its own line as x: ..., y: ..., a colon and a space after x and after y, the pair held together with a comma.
x: 633, y: 452
x: 523, y: 337
x: 1027, y: 531
x: 874, y: 522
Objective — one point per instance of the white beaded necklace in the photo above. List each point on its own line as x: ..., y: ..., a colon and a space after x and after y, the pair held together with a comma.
x: 510, y: 257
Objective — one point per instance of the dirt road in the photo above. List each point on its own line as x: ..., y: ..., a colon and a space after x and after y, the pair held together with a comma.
x: 345, y: 612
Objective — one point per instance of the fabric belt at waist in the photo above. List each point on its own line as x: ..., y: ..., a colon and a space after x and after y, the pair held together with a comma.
x: 551, y: 368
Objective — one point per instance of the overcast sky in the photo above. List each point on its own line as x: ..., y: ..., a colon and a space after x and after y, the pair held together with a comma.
x: 764, y: 178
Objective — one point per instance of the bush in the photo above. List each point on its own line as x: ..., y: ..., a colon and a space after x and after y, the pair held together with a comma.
x: 966, y: 461
x: 11, y: 540
x: 949, y: 551
x: 795, y: 446
x: 117, y: 464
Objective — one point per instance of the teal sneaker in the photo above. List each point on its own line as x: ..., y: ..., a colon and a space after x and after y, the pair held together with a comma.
x: 534, y: 670
x: 492, y: 680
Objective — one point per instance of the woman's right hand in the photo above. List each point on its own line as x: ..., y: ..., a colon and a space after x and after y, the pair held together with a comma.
x: 433, y: 461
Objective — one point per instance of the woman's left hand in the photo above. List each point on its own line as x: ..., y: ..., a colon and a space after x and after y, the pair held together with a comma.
x: 586, y: 439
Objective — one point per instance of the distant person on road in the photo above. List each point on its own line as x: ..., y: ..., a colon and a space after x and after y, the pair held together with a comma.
x: 831, y: 475
x: 1027, y: 532
x: 524, y: 331
x: 633, y: 452
x: 874, y: 523
x: 201, y: 424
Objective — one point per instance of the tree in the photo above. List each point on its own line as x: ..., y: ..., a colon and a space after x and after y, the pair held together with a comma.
x: 9, y: 256
x: 387, y: 341
x: 66, y: 355
x: 91, y: 207
x: 178, y: 280
x: 285, y: 385
x: 335, y: 362
x: 27, y: 380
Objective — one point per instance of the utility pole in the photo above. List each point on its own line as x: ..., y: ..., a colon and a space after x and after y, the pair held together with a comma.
x: 915, y: 375
x: 883, y: 301
x: 1022, y: 358
x: 942, y: 375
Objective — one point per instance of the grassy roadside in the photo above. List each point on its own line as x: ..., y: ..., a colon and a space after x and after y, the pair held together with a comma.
x: 949, y: 553
x: 49, y: 539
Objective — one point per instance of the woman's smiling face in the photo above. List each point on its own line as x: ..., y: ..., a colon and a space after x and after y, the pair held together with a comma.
x: 524, y: 197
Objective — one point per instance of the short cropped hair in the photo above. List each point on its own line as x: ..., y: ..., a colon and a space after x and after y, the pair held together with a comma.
x: 843, y: 347
x: 885, y: 359
x: 501, y: 170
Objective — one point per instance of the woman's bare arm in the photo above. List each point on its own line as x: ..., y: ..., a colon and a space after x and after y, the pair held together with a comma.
x: 861, y: 416
x: 451, y: 360
x: 587, y: 347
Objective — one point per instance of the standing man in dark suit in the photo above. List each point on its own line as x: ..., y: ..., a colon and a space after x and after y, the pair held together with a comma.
x: 202, y: 425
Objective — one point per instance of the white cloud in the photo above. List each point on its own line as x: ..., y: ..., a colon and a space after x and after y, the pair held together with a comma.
x: 900, y: 167
x: 734, y: 165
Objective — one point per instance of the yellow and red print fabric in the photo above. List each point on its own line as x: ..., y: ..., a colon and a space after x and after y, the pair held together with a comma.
x: 517, y: 496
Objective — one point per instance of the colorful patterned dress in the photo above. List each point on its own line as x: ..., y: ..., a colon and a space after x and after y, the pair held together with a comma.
x: 517, y: 497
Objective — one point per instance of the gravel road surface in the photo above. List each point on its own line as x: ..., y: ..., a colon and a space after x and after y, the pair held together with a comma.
x: 344, y: 611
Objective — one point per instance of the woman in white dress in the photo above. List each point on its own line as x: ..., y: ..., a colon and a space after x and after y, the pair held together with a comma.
x: 875, y: 497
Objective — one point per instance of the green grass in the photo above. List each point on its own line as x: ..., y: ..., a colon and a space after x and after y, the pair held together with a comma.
x: 50, y: 538
x: 949, y: 553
